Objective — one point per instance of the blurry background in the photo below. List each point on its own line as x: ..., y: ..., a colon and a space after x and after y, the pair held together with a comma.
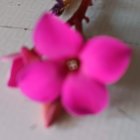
x: 20, y: 118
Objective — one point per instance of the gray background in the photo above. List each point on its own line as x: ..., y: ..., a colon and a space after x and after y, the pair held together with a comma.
x: 20, y: 119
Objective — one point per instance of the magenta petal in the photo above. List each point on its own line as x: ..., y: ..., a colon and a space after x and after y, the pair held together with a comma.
x: 16, y: 67
x: 40, y: 81
x: 84, y: 96
x: 19, y: 61
x: 28, y: 55
x: 10, y: 57
x: 106, y: 59
x: 55, y: 39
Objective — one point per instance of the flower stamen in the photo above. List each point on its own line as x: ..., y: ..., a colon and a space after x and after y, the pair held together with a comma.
x: 73, y: 64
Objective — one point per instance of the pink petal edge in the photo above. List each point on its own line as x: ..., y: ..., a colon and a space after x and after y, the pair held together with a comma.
x: 29, y: 55
x: 84, y: 96
x: 25, y: 56
x: 9, y: 57
x: 41, y: 81
x: 56, y: 39
x: 17, y: 65
x: 106, y: 59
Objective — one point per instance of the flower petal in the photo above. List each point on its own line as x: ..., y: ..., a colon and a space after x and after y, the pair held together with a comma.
x: 28, y: 55
x: 9, y: 57
x: 106, y: 59
x: 84, y: 96
x: 41, y: 81
x: 25, y: 56
x: 55, y: 39
x: 16, y: 67
x: 52, y: 112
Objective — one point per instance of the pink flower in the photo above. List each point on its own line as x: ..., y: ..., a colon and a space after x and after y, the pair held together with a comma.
x: 20, y: 60
x: 70, y: 69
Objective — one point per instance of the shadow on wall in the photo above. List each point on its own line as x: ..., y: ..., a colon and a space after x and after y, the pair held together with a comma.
x: 132, y: 78
x: 102, y: 24
x: 127, y: 91
x: 128, y: 100
x: 125, y: 96
x: 118, y: 18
